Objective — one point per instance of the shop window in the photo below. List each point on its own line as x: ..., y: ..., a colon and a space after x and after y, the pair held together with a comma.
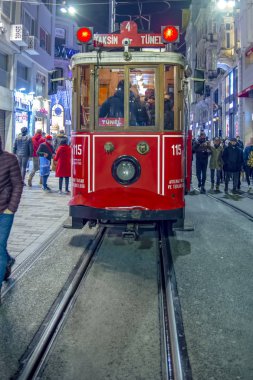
x: 45, y: 41
x: 60, y: 41
x: 8, y: 9
x: 29, y: 23
x: 22, y: 71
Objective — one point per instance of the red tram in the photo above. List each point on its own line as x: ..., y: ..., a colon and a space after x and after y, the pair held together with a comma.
x: 131, y: 148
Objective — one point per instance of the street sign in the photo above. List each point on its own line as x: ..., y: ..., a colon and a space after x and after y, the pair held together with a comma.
x: 129, y: 31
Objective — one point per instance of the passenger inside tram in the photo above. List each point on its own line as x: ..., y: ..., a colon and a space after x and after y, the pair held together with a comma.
x: 169, y: 111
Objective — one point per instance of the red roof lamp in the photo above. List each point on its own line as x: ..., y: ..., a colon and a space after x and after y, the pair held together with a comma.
x: 170, y: 34
x: 84, y: 35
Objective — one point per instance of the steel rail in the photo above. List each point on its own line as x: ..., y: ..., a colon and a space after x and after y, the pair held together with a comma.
x: 39, y: 352
x: 237, y: 209
x: 179, y: 365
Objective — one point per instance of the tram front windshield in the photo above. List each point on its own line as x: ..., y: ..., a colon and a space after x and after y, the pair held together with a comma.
x: 130, y: 98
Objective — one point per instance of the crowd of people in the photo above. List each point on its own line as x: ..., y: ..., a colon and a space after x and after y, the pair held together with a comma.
x: 47, y: 154
x: 228, y: 160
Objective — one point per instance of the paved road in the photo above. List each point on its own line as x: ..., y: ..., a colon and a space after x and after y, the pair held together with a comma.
x: 39, y: 216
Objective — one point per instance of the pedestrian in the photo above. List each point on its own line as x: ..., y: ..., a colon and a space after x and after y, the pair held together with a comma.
x: 45, y: 153
x: 37, y: 139
x: 233, y: 159
x: 141, y: 112
x: 11, y: 186
x: 23, y: 149
x: 200, y: 148
x: 63, y: 167
x: 239, y: 142
x: 58, y: 138
x: 169, y: 111
x: 216, y: 163
x: 248, y: 162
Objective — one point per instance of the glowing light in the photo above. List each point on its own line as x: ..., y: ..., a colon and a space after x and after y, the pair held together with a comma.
x: 84, y: 35
x: 170, y: 34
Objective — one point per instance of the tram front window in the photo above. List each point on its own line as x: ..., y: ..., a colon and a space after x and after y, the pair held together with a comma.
x: 142, y: 97
x: 111, y: 97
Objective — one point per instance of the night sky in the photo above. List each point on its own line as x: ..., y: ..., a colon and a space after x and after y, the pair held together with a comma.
x: 96, y: 13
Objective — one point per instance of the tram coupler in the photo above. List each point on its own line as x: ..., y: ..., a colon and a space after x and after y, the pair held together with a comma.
x: 131, y: 232
x: 92, y: 223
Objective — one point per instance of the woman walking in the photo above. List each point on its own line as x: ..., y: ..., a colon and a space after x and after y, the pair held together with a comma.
x: 63, y: 167
x: 45, y: 153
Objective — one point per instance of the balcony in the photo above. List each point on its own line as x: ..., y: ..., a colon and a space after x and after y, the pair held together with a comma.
x: 33, y: 45
x: 19, y: 35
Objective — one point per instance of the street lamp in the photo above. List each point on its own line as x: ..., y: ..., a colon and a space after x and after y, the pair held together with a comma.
x: 67, y: 9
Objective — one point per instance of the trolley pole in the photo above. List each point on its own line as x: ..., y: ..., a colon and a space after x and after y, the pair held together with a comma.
x: 112, y: 14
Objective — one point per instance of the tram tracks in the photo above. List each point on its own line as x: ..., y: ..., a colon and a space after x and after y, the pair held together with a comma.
x: 227, y: 201
x: 175, y: 365
x: 33, y: 360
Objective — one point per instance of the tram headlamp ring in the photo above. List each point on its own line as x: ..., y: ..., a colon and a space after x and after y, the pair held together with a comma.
x: 126, y: 170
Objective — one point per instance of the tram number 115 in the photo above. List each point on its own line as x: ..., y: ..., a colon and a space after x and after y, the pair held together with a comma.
x: 77, y: 149
x: 176, y: 150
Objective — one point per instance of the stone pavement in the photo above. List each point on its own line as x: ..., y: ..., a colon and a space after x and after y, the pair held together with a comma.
x: 38, y: 218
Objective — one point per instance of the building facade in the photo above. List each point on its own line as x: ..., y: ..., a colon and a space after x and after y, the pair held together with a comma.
x: 35, y: 47
x: 220, y: 43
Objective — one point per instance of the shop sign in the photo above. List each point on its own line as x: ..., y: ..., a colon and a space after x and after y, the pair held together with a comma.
x: 23, y: 101
x: 21, y: 120
x: 57, y: 117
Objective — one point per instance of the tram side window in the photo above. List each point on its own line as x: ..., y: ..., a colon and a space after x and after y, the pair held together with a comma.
x: 142, y: 97
x: 169, y: 98
x: 84, y: 98
x: 111, y: 97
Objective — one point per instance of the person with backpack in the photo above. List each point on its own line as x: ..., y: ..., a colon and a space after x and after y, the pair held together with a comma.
x: 46, y: 153
x: 37, y: 139
x: 248, y: 162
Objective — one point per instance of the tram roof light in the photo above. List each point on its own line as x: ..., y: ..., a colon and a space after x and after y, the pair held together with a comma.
x: 170, y: 34
x: 85, y: 35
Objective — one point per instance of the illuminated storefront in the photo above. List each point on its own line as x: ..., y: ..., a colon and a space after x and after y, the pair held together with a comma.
x: 22, y: 112
x: 231, y: 104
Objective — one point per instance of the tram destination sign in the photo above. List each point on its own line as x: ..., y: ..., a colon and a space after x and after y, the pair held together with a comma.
x: 128, y: 33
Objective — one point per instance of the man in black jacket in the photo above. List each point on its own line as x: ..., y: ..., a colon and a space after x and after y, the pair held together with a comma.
x: 233, y: 159
x: 23, y: 148
x: 200, y: 147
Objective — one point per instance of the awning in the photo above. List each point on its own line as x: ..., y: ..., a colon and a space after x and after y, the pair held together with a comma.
x: 246, y: 93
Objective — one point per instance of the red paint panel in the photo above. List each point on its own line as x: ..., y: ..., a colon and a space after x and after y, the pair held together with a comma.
x: 80, y: 159
x: 173, y: 157
x: 125, y: 145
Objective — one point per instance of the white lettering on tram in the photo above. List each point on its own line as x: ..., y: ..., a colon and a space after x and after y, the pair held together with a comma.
x: 107, y: 40
x: 151, y: 40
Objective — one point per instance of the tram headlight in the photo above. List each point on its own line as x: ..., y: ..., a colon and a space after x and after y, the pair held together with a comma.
x: 126, y: 170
